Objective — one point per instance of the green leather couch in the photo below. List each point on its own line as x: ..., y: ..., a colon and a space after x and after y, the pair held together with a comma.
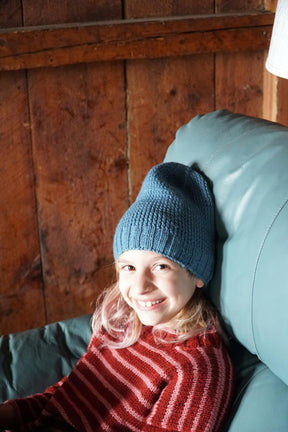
x: 247, y: 162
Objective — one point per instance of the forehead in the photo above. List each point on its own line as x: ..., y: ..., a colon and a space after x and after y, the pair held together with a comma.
x: 141, y: 256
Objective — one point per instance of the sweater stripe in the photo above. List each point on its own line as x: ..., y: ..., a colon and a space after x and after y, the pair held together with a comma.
x: 202, y: 405
x: 113, y: 390
x: 149, y: 361
x: 189, y: 401
x: 227, y: 381
x: 220, y: 384
x: 148, y: 387
x: 66, y: 411
x: 174, y: 396
x: 121, y: 378
x: 176, y: 389
x: 111, y: 411
x: 95, y: 394
x: 136, y: 371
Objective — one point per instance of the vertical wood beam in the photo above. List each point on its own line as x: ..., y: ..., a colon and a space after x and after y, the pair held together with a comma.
x: 164, y: 93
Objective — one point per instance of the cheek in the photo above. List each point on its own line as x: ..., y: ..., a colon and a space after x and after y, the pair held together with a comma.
x: 186, y: 288
x: 124, y: 289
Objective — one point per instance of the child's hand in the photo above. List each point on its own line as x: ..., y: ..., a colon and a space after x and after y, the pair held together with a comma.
x: 8, y: 417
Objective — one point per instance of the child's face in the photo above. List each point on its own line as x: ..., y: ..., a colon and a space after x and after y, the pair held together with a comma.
x: 154, y: 286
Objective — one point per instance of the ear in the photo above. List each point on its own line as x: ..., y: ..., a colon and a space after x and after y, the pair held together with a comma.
x: 199, y: 283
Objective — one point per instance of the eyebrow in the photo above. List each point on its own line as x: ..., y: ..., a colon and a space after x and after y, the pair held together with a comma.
x: 124, y: 261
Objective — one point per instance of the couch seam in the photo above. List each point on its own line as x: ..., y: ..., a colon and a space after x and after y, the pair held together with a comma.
x: 277, y: 214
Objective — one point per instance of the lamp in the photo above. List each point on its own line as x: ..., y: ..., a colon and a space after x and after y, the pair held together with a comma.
x: 277, y: 60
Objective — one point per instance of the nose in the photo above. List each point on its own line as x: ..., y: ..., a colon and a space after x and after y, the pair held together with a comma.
x: 142, y: 283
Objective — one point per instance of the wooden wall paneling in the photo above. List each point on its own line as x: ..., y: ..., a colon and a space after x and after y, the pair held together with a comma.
x: 270, y: 102
x: 21, y: 297
x: 239, y: 82
x: 55, y: 11
x: 21, y: 294
x: 270, y: 5
x: 239, y: 76
x: 79, y: 148
x: 59, y: 45
x: 282, y: 101
x: 11, y: 13
x: 227, y: 6
x: 164, y: 8
x: 78, y: 120
x: 163, y: 94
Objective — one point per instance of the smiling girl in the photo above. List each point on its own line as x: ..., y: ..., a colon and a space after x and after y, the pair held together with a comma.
x: 156, y: 360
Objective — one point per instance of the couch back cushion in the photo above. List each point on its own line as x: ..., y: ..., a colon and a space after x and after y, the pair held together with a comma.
x: 247, y: 161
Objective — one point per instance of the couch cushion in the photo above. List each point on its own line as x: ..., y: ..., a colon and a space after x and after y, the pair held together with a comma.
x: 247, y: 160
x: 32, y: 360
x: 261, y: 402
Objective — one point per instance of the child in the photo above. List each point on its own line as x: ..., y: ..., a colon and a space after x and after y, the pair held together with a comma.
x: 156, y: 360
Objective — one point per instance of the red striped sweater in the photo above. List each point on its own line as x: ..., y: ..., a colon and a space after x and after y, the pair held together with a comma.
x: 146, y: 387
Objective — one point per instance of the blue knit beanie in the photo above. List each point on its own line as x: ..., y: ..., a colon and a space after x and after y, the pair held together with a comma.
x: 173, y: 216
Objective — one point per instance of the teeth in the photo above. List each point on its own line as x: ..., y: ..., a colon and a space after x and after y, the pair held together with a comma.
x: 149, y: 303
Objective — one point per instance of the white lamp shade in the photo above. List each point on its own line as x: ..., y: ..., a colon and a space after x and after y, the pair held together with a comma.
x: 277, y: 60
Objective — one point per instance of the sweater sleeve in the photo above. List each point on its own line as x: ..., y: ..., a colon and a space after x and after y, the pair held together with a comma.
x: 29, y: 408
x: 198, y: 394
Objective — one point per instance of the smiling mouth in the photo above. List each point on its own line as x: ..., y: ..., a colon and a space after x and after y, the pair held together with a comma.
x: 149, y: 304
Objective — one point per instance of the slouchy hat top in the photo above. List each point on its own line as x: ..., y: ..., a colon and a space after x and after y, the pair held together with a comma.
x: 173, y: 215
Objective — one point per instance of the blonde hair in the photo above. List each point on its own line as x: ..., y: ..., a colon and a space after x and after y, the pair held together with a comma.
x: 119, y: 326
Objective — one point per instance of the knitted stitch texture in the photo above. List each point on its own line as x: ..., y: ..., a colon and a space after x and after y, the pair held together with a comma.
x: 146, y: 387
x: 173, y: 215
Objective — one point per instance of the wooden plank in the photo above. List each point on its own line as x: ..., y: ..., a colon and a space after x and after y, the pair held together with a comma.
x: 54, y: 46
x: 270, y: 5
x: 270, y: 102
x: 54, y: 11
x: 239, y: 82
x: 78, y: 120
x: 11, y: 14
x: 166, y: 95
x: 21, y: 295
x: 230, y: 6
x: 239, y: 75
x: 142, y: 9
x: 163, y: 94
x: 79, y: 148
x: 282, y: 101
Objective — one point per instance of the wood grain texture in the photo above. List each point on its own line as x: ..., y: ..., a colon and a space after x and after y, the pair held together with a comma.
x: 239, y: 6
x: 64, y: 171
x: 58, y: 12
x: 78, y: 123
x: 57, y: 46
x: 11, y: 14
x: 282, y: 101
x: 79, y: 149
x: 239, y: 77
x: 141, y: 9
x: 21, y: 289
x: 21, y: 295
x: 239, y: 82
x: 162, y: 95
